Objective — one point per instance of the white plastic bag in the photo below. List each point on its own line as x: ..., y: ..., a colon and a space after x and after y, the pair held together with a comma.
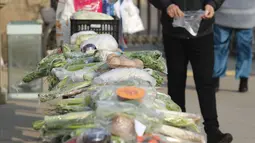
x: 122, y: 74
x: 191, y: 21
x: 102, y: 42
x: 64, y: 11
x: 129, y: 12
x: 105, y: 45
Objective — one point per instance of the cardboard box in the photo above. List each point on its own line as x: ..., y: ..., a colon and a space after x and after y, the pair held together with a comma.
x: 19, y: 10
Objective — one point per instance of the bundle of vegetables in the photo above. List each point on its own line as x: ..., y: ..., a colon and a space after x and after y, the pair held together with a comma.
x: 123, y: 117
x: 64, y: 90
x: 72, y: 105
x: 150, y: 59
x: 45, y: 66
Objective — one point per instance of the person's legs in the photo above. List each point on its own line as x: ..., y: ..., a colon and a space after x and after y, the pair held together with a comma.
x: 177, y: 69
x: 201, y: 56
x: 222, y: 37
x: 244, y: 57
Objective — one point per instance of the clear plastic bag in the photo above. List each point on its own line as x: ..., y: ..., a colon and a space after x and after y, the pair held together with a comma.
x: 130, y: 12
x: 66, y: 121
x: 85, y: 74
x: 108, y: 93
x: 64, y: 89
x: 191, y: 21
x: 181, y: 134
x: 126, y: 120
x: 165, y: 102
x: 95, y: 135
x: 170, y: 114
x: 170, y: 139
x: 76, y: 61
x: 123, y: 74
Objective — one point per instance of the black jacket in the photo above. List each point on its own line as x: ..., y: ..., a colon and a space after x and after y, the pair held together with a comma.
x: 185, y: 5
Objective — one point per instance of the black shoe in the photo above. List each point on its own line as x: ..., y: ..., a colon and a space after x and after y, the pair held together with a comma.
x: 216, y: 84
x: 218, y: 137
x: 243, y: 86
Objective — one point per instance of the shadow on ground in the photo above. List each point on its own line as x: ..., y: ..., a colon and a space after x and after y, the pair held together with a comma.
x: 17, y: 117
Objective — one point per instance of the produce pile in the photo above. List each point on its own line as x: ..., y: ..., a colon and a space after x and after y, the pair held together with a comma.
x: 99, y: 94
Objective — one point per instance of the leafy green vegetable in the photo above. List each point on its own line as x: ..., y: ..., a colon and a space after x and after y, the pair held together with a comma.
x: 182, y: 122
x: 45, y: 66
x: 70, y: 89
x: 151, y: 59
x: 168, y: 102
x: 158, y: 77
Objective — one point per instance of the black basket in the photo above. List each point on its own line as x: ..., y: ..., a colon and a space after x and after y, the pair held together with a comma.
x: 99, y: 26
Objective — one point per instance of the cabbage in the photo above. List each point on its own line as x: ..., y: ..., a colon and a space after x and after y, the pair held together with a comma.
x: 87, y: 15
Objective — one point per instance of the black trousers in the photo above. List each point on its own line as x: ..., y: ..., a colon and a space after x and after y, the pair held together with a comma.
x: 200, y: 53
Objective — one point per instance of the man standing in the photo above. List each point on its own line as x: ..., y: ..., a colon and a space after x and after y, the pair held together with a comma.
x: 180, y: 48
x: 239, y: 17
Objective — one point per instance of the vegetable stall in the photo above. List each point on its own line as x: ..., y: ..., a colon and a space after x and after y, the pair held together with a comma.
x: 101, y: 94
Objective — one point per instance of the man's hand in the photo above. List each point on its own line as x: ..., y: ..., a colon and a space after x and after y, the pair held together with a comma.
x: 209, y: 12
x: 174, y: 11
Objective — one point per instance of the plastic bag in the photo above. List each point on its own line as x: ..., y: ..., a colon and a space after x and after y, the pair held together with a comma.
x: 76, y: 61
x: 104, y: 43
x: 95, y: 135
x: 166, y: 102
x: 67, y: 120
x: 129, y: 12
x: 120, y: 61
x: 194, y: 117
x: 64, y: 90
x: 124, y: 74
x: 170, y: 139
x: 88, y: 5
x: 108, y: 7
x: 65, y: 9
x: 132, y: 120
x: 109, y: 93
x: 85, y: 74
x: 181, y: 134
x: 75, y: 36
x: 191, y: 21
x: 71, y: 105
x: 156, y: 75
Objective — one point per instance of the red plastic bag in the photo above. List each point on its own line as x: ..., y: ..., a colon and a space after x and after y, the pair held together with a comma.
x: 89, y: 5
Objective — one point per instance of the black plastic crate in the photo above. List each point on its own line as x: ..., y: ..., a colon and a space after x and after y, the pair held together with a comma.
x: 99, y: 26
